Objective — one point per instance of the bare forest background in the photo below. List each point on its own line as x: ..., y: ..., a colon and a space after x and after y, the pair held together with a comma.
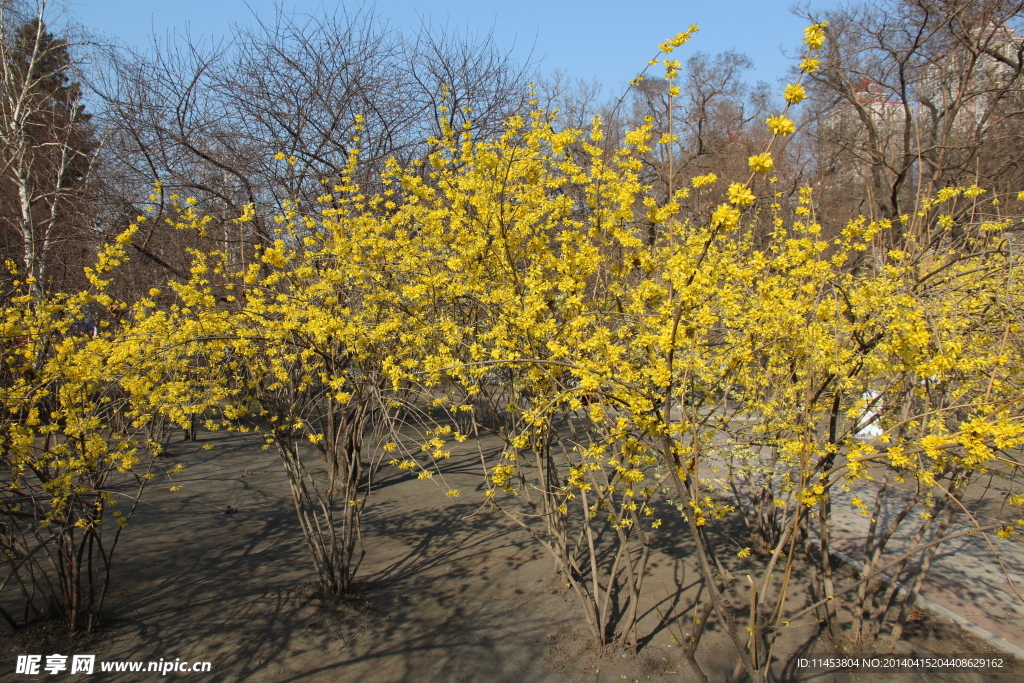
x: 911, y: 96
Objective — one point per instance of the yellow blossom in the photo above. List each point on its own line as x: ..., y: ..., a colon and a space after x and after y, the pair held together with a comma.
x: 780, y: 125
x: 795, y: 93
x: 814, y: 35
x: 702, y: 180
x: 740, y: 195
x: 761, y: 163
x: 725, y: 216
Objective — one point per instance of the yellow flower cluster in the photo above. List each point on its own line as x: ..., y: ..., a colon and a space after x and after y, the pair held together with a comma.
x: 740, y: 195
x: 702, y: 180
x: 795, y: 93
x: 780, y: 125
x: 680, y: 39
x: 761, y: 163
x: 814, y: 35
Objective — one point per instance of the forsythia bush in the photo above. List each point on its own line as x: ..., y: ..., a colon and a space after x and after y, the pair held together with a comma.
x: 638, y: 360
x: 73, y: 427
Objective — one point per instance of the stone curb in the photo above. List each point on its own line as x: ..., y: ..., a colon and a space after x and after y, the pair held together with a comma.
x: 943, y: 612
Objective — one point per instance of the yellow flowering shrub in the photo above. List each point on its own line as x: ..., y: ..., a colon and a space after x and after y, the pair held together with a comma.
x: 515, y: 282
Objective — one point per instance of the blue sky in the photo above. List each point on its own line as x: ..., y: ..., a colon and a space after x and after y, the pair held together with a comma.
x: 609, y: 41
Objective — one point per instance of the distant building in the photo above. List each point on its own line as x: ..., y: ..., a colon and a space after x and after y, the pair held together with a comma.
x: 961, y: 98
x: 857, y: 133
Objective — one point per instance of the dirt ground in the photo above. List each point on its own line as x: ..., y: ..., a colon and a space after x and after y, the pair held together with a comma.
x: 217, y: 572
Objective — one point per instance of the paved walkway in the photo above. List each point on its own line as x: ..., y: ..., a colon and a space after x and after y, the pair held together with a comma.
x: 965, y: 577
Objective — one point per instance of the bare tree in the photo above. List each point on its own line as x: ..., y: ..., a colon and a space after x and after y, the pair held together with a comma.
x: 270, y: 114
x: 915, y: 95
x: 47, y: 147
